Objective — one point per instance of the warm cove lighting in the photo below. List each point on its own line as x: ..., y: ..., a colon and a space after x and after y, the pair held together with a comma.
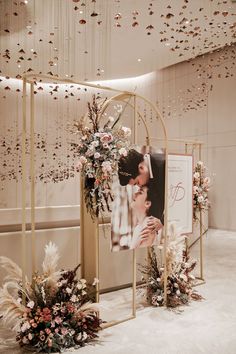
x: 123, y: 82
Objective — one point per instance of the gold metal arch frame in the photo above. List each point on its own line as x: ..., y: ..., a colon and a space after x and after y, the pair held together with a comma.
x: 198, y: 145
x: 190, y: 146
x: 85, y: 220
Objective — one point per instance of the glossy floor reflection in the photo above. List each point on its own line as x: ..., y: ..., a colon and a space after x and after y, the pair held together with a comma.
x: 203, y: 327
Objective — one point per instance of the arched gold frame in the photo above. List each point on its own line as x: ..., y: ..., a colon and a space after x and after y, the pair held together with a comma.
x: 122, y: 96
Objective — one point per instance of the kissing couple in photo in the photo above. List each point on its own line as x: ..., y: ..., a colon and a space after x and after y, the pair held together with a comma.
x: 145, y: 172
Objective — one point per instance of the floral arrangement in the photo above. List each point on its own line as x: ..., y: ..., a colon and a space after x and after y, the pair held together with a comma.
x: 179, y: 278
x: 53, y: 312
x: 201, y: 186
x: 99, y: 150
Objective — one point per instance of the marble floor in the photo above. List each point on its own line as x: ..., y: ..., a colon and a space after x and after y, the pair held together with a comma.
x: 206, y: 327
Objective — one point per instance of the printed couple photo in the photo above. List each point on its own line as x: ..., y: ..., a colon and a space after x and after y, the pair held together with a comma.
x: 138, y: 208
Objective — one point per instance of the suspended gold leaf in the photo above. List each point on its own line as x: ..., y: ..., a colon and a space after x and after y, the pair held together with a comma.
x: 169, y: 15
x: 117, y: 16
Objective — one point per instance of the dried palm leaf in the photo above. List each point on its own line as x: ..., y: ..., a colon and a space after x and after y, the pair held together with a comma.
x: 10, y: 309
x: 13, y: 270
x: 89, y: 309
x: 50, y: 264
x: 175, y: 249
x: 14, y: 273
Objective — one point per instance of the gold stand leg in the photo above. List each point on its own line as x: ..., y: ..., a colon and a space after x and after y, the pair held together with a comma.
x: 89, y: 234
x: 23, y: 198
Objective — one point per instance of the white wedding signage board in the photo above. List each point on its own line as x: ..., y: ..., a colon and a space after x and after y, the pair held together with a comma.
x: 180, y: 191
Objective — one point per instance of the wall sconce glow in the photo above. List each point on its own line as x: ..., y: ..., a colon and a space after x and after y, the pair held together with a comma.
x: 26, y: 1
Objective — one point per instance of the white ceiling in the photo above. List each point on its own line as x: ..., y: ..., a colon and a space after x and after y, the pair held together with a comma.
x: 48, y: 36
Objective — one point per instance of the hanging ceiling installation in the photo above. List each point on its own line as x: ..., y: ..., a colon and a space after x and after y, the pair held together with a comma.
x: 105, y: 39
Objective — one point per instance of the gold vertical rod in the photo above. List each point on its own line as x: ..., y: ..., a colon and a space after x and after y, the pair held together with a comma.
x: 135, y: 120
x: 134, y: 285
x: 82, y: 250
x: 165, y: 225
x: 134, y: 251
x: 201, y: 228
x: 32, y: 179
x: 97, y: 258
x: 186, y: 240
x: 23, y: 197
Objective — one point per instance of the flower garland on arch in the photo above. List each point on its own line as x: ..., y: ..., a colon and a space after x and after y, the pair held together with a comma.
x: 98, y: 152
x: 201, y: 187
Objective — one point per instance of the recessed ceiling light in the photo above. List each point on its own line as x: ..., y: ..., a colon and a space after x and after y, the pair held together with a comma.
x: 26, y: 1
x: 139, y: 59
x: 31, y: 49
x: 81, y: 12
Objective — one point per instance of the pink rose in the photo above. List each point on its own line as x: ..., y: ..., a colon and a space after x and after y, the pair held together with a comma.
x: 64, y: 331
x: 106, y: 138
x: 58, y: 320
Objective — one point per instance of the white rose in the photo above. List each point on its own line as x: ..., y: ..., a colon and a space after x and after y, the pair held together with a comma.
x: 97, y: 155
x: 25, y: 326
x: 73, y: 298
x: 195, y: 190
x: 68, y: 290
x: 123, y: 152
x: 79, y: 166
x: 196, y: 175
x: 95, y: 143
x: 126, y: 131
x: 200, y: 199
x: 83, y: 159
x: 79, y: 286
x: 106, y: 166
x: 30, y: 304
